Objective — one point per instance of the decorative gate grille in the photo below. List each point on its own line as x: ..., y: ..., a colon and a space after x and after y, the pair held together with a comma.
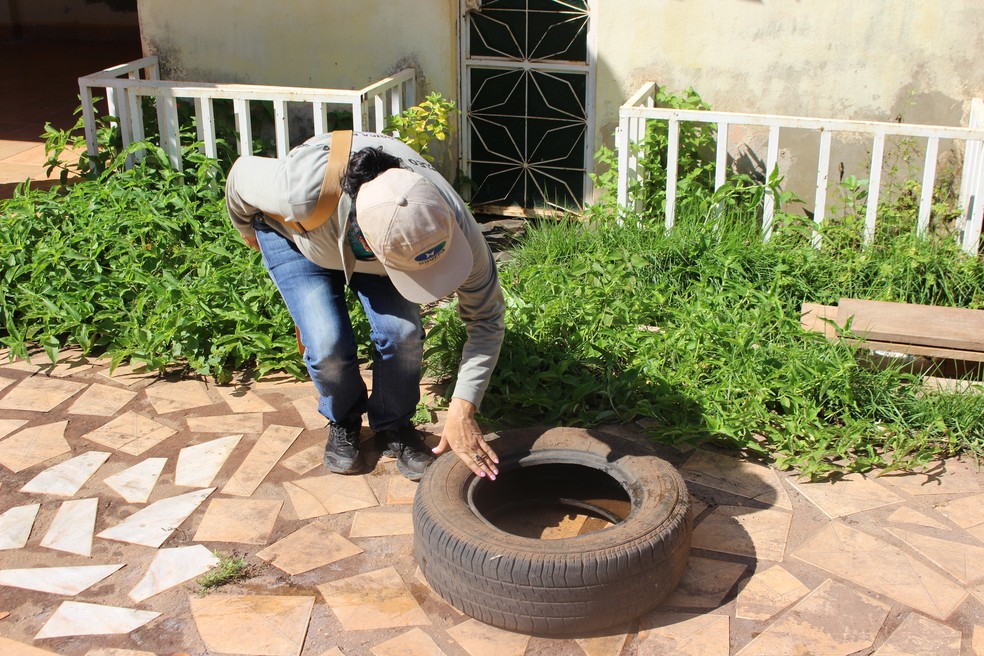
x: 526, y: 84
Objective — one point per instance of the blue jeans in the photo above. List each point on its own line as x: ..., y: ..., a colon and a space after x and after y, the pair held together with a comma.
x: 315, y: 298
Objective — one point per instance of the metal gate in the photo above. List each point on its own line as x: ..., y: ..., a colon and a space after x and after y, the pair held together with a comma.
x: 527, y: 88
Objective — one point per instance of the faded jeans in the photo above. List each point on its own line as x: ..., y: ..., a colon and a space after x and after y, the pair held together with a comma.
x: 315, y: 298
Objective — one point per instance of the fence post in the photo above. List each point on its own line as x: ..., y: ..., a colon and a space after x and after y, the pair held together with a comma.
x: 972, y: 182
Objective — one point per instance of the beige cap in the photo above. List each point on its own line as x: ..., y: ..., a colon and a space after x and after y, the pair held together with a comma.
x: 413, y: 233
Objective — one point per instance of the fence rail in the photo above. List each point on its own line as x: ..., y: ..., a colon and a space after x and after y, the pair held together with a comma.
x: 126, y: 85
x: 635, y: 115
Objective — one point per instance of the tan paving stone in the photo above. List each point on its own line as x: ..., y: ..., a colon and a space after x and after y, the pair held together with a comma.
x: 668, y: 634
x: 109, y: 651
x: 906, y: 515
x: 182, y: 395
x: 238, y: 520
x: 101, y: 401
x: 251, y: 422
x: 769, y: 592
x: 16, y: 524
x: 705, y: 583
x: 304, y: 461
x: 131, y: 375
x: 329, y: 494
x: 67, y: 478
x: 136, y: 483
x: 610, y: 645
x: 918, y: 636
x: 73, y: 527
x: 966, y: 513
x: 66, y: 581
x: 978, y: 591
x: 963, y: 562
x: 883, y: 568
x: 242, y: 399
x: 848, y: 495
x: 253, y: 624
x: 39, y: 394
x: 199, y: 464
x: 949, y: 478
x: 334, y: 651
x: 309, y: 547
x: 816, y: 624
x: 266, y: 452
x: 977, y: 640
x: 171, y: 567
x: 4, y: 382
x: 483, y: 640
x: 400, y: 491
x: 75, y: 618
x: 307, y: 408
x: 152, y: 525
x: 131, y: 433
x: 375, y: 600
x: 412, y: 643
x: 380, y: 523
x: 8, y: 426
x: 742, y: 531
x: 10, y: 647
x: 33, y: 445
x: 728, y: 474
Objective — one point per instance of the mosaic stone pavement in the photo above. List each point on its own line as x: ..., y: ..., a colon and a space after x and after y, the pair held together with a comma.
x: 117, y: 491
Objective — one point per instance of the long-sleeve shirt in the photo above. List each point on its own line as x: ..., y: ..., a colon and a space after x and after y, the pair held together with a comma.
x: 290, y: 188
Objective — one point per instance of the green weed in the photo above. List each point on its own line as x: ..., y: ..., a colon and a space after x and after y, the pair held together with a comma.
x: 231, y: 568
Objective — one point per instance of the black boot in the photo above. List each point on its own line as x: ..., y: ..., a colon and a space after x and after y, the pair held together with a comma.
x: 342, y: 450
x: 404, y: 444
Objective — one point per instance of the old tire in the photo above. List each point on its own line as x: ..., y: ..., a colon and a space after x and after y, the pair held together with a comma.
x: 573, y: 585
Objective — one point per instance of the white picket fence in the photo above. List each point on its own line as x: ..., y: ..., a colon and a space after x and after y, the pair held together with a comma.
x: 635, y: 114
x: 126, y: 85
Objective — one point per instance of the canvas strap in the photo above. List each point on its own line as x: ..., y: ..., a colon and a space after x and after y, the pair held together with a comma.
x: 331, y: 186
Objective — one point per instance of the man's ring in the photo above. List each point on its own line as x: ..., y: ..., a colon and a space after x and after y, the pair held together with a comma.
x: 478, y: 458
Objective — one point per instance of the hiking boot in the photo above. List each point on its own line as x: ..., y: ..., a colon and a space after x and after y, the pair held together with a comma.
x: 342, y: 450
x: 404, y: 444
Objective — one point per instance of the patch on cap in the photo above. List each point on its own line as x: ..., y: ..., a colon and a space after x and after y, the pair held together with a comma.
x: 430, y: 254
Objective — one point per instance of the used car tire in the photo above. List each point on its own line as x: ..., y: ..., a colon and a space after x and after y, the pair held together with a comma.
x: 566, y: 586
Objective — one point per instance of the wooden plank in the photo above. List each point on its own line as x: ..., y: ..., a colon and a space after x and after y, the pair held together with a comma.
x: 906, y: 323
x: 916, y: 349
x: 812, y: 315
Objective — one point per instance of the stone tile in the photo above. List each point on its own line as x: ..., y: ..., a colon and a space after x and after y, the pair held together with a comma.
x: 10, y: 647
x: 172, y: 567
x: 66, y: 581
x: 8, y: 426
x: 918, y: 636
x: 734, y: 476
x: 881, y: 567
x: 67, y: 478
x: 665, y: 634
x: 400, y: 490
x: 483, y: 640
x: 978, y: 591
x: 199, y: 464
x: 769, y: 592
x: 152, y: 525
x: 33, y: 445
x: 262, y: 625
x: 74, y: 618
x: 379, y: 523
x: 816, y: 624
x: 136, y: 483
x: 334, y: 651
x: 307, y: 409
x: 245, y: 423
x: 374, y: 600
x: 109, y: 651
x: 238, y: 520
x: 183, y: 395
x: 412, y: 643
x: 963, y: 562
x: 966, y: 513
x: 241, y: 399
x: 39, y: 394
x: 948, y: 479
x: 851, y: 494
x: 72, y: 528
x: 16, y: 524
x: 304, y: 461
x: 309, y: 547
x: 101, y: 401
x: 4, y: 382
x: 977, y: 640
x: 705, y: 583
x: 131, y: 375
x: 267, y: 451
x: 329, y: 495
x: 131, y: 433
x: 906, y: 515
x: 609, y: 645
x: 760, y: 533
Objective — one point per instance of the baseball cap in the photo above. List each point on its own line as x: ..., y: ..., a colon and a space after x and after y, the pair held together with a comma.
x: 413, y: 233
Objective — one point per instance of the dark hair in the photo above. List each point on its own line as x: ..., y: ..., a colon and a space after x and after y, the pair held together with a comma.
x: 364, y: 165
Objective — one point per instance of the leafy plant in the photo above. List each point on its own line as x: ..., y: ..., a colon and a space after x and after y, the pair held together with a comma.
x: 421, y: 124
x: 231, y: 568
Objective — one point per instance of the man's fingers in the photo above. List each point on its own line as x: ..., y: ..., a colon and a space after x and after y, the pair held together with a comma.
x: 442, y: 447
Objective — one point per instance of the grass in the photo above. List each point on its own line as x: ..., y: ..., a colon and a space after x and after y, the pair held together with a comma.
x: 231, y: 568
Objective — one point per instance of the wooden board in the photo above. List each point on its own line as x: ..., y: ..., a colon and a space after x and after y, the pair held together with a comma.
x: 906, y: 323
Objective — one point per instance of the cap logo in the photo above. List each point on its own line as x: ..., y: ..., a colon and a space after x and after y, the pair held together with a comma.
x: 430, y: 253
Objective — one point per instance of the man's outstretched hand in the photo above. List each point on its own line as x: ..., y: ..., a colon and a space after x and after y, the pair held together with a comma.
x: 463, y: 437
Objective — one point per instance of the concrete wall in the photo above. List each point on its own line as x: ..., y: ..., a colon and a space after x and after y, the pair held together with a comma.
x: 84, y: 20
